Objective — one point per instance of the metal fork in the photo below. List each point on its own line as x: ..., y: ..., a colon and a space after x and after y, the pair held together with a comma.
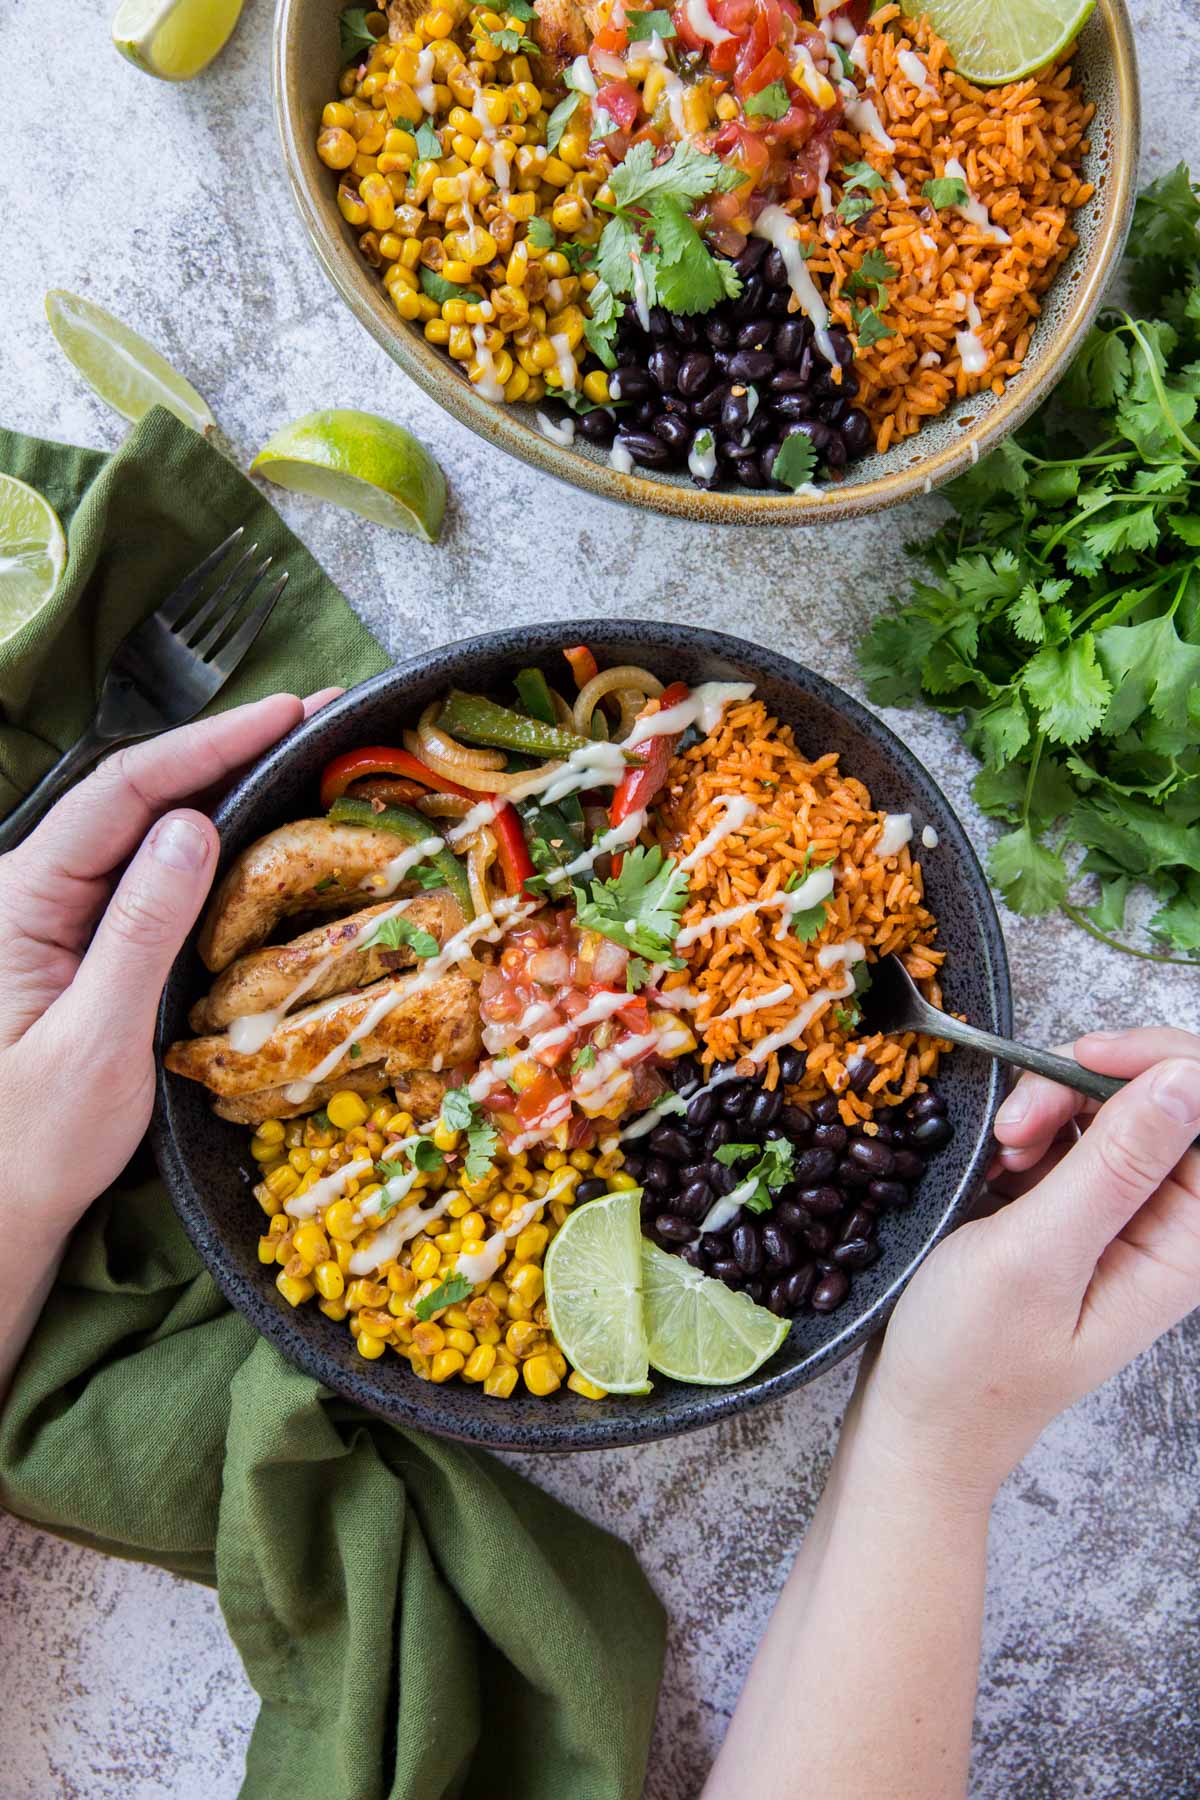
x: 164, y: 670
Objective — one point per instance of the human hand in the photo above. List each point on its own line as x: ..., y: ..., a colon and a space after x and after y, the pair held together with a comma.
x: 82, y: 965
x: 1016, y: 1316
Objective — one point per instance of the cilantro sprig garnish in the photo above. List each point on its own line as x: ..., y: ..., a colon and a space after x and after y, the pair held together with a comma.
x: 873, y: 272
x: 853, y: 205
x: 771, y: 1171
x: 394, y: 932
x: 1061, y: 614
x: 447, y: 1293
x: 639, y: 25
x: 810, y: 921
x: 796, y: 463
x: 639, y: 908
x: 356, y: 37
x: 461, y: 1113
x: 650, y: 246
x: 946, y: 191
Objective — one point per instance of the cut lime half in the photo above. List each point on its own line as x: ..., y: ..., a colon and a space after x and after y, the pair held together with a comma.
x: 173, y: 39
x: 127, y: 372
x: 33, y: 552
x: 699, y: 1330
x: 593, y: 1281
x: 362, y: 462
x: 995, y: 43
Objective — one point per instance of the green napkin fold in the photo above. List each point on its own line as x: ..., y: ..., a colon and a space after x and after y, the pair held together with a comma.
x: 417, y: 1620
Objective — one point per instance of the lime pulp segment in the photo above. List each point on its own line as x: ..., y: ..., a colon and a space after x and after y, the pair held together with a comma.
x: 119, y: 365
x: 33, y: 552
x: 996, y: 43
x: 593, y: 1280
x: 699, y: 1330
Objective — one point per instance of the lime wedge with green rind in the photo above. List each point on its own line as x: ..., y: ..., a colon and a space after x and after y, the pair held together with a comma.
x: 127, y: 372
x: 700, y: 1331
x: 994, y: 43
x: 593, y: 1281
x: 369, y: 465
x: 173, y: 39
x: 33, y: 553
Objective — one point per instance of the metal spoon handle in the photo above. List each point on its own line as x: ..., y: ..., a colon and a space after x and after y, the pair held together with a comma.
x: 1063, y: 1069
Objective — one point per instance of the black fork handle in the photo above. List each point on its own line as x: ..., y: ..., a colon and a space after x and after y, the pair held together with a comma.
x: 1063, y: 1069
x: 66, y: 771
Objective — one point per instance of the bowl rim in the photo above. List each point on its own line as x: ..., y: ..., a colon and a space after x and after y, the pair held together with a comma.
x: 504, y: 428
x: 290, y: 1333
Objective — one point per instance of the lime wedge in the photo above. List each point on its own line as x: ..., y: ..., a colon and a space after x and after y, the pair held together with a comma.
x: 173, y: 39
x: 362, y: 462
x: 593, y: 1277
x: 33, y: 551
x: 993, y: 43
x: 120, y: 366
x: 698, y: 1329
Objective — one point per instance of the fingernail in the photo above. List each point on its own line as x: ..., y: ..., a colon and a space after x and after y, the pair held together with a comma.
x: 1104, y: 1037
x: 1014, y: 1108
x: 1176, y: 1089
x: 179, y: 844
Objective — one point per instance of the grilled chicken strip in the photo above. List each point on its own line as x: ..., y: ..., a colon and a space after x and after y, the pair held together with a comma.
x: 308, y: 865
x: 419, y: 1092
x: 564, y: 30
x: 263, y: 980
x: 429, y: 1026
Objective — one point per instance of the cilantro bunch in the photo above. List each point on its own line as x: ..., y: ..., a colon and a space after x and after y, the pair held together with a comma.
x: 650, y: 246
x: 1061, y: 618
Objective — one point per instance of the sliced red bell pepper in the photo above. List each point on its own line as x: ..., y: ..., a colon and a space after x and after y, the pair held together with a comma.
x: 642, y: 780
x: 383, y: 759
x: 512, y: 849
x: 583, y: 664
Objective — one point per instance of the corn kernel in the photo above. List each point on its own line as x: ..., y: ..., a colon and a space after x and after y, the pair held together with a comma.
x: 366, y: 1293
x: 329, y: 1280
x: 369, y: 1346
x: 579, y: 1384
x: 426, y: 1261
x: 294, y: 1288
x: 501, y: 1382
x: 429, y: 1337
x: 621, y: 1183
x: 334, y: 1309
x: 524, y: 1339
x: 337, y: 115
x: 266, y: 1249
x: 311, y: 1243
x: 461, y: 1340
x: 346, y: 1109
x: 479, y: 1363
x: 336, y: 148
x: 445, y: 1364
x: 282, y: 1182
x: 340, y: 1222
x: 540, y: 1375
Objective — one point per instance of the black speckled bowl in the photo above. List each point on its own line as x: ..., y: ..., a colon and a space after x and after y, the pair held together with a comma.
x: 206, y: 1164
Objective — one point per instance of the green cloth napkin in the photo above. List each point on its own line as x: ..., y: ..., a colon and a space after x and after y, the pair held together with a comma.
x: 417, y: 1620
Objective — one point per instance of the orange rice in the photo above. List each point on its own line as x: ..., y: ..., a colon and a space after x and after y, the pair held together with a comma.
x: 803, y: 807
x: 1021, y: 147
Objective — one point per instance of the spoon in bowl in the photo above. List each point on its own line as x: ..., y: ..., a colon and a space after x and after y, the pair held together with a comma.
x: 893, y: 1004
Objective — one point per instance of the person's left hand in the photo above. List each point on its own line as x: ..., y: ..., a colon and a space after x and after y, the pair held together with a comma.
x: 82, y: 965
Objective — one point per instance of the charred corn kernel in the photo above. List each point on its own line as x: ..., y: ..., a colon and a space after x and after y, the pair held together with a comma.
x: 334, y: 1309
x: 505, y: 1355
x: 501, y: 1382
x: 445, y: 1364
x: 524, y: 1339
x: 343, y: 1253
x: 337, y: 115
x: 400, y: 281
x: 520, y: 206
x: 579, y: 1384
x: 400, y: 1279
x: 429, y: 1337
x: 558, y: 1361
x: 540, y: 1375
x: 271, y: 1131
x: 529, y: 1283
x: 370, y: 134
x: 340, y: 1222
x: 519, y: 1180
x: 461, y: 1340
x: 449, y: 1242
x: 280, y: 1225
x: 531, y: 1243
x: 379, y: 1324
x: 727, y: 107
x: 296, y: 1289
x: 366, y: 1293
x: 479, y: 1363
x: 481, y: 1312
x: 282, y: 1182
x: 351, y: 207
x: 437, y: 331
x: 566, y: 214
x: 426, y: 1261
x: 518, y: 1308
x: 346, y: 1109
x: 369, y: 1346
x: 487, y: 1334
x: 311, y: 1243
x: 266, y: 1249
x: 336, y: 148
x: 329, y: 1280
x: 301, y: 1160
x: 364, y: 165
x: 556, y: 264
x: 497, y: 1293
x: 517, y: 385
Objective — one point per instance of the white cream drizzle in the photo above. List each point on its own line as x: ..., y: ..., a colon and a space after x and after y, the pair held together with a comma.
x: 568, y: 373
x: 325, y: 1191
x: 929, y: 837
x: 779, y: 229
x: 897, y: 831
x: 563, y: 433
x: 391, y: 1238
x: 703, y: 463
x: 972, y: 209
x: 742, y: 1009
x: 483, y: 1264
x: 815, y: 888
x: 703, y: 25
x: 702, y: 708
x: 645, y: 1122
x: 738, y: 811
x: 969, y: 344
x: 388, y: 879
x: 619, y: 458
x: 423, y: 84
x: 915, y: 71
x: 489, y: 383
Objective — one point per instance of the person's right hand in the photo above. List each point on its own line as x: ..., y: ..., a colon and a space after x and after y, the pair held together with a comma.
x: 1015, y: 1316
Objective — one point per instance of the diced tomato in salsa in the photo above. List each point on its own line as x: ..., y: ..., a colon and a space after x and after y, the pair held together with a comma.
x: 619, y: 99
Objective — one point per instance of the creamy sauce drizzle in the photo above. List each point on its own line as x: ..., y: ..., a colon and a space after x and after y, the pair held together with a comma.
x: 489, y: 383
x: 702, y: 708
x: 328, y: 1189
x: 897, y: 831
x: 563, y: 433
x: 703, y: 25
x: 391, y: 1238
x: 393, y: 873
x: 972, y: 209
x: 778, y: 228
x: 969, y: 344
x: 423, y: 85
x: 619, y: 458
x: 703, y: 463
x: 736, y: 814
x: 812, y: 890
x: 915, y: 71
x: 929, y: 837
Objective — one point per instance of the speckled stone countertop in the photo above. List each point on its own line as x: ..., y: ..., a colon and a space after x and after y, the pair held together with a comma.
x: 169, y: 205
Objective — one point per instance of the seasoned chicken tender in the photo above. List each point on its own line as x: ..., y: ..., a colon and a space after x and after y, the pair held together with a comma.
x: 434, y: 1025
x: 309, y: 865
x: 563, y: 30
x: 419, y: 1092
x: 324, y: 958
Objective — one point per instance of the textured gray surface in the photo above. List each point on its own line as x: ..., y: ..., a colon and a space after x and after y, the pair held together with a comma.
x: 169, y: 205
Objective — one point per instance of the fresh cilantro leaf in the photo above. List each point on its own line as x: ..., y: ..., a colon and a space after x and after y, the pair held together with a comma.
x: 447, y: 1293
x: 429, y: 144
x: 639, y: 25
x: 1032, y: 879
x: 771, y: 1171
x: 392, y: 933
x: 325, y: 883
x: 688, y: 175
x: 390, y: 1170
x: 847, y: 1016
x: 512, y: 43
x: 520, y: 9
x: 584, y: 1058
x: 620, y: 242
x: 321, y: 1120
x: 1165, y: 220
x: 637, y: 974
x: 1109, y: 911
x: 769, y: 103
x: 688, y: 278
x: 874, y: 271
x: 482, y: 1143
x: 357, y: 38
x: 868, y: 326
x: 796, y: 463
x: 1148, y: 665
x: 540, y: 232
x: 441, y: 290
x: 556, y: 124
x: 640, y: 907
x: 355, y: 1052
x: 728, y: 1154
x: 861, y: 175
x: 1179, y: 920
x: 854, y: 206
x: 946, y: 191
x: 601, y: 328
x: 847, y: 67
x: 459, y: 1111
x: 1068, y: 687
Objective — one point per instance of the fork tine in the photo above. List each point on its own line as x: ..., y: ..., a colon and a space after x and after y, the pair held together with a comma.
x: 227, y: 659
x: 213, y: 609
x: 180, y: 598
x: 217, y: 627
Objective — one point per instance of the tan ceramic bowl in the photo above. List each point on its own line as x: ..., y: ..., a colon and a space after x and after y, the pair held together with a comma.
x: 305, y: 75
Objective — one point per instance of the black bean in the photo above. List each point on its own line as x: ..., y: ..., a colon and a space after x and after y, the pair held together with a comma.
x: 716, y: 1245
x: 788, y: 381
x: 767, y: 461
x: 591, y: 1190
x: 908, y: 1166
x: 835, y: 450
x: 678, y: 409
x: 924, y: 1104
x: 631, y: 383
x: 645, y: 448
x: 888, y: 1193
x: 694, y: 1200
x: 669, y: 1141
x: 873, y: 1156
x: 862, y: 1075
x: 702, y: 1107
x: 778, y: 303
x: 707, y: 410
x: 649, y: 1207
x: 775, y: 270
x: 685, y: 1076
x: 659, y: 1174
x: 748, y: 472
x: 660, y: 322
x: 719, y: 330
x: 735, y: 1100
x: 831, y: 1137
x: 764, y: 1109
x: 778, y: 1246
x: 749, y: 303
x: 833, y: 411
x: 856, y: 1253
x: 663, y: 364
x: 696, y: 1170
x: 931, y: 1132
x: 792, y: 1214
x: 721, y: 1179
x: 860, y: 1223
x: 634, y: 1164
x: 675, y: 432
x: 856, y: 432
x: 673, y: 1229
x: 843, y: 348
x: 597, y: 427
x: 815, y: 1166
x: 820, y: 1237
x: 726, y: 1270
x: 777, y: 1299
x: 751, y: 365
x: 820, y: 436
x: 850, y: 384
x: 748, y: 259
x: 830, y: 1291
x: 757, y: 1289
x: 800, y: 1284
x: 821, y: 1200
x: 789, y: 342
x: 695, y: 373
x: 692, y: 1254
x: 747, y: 1248
x: 735, y: 413
x: 795, y: 1120
x: 825, y: 1110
